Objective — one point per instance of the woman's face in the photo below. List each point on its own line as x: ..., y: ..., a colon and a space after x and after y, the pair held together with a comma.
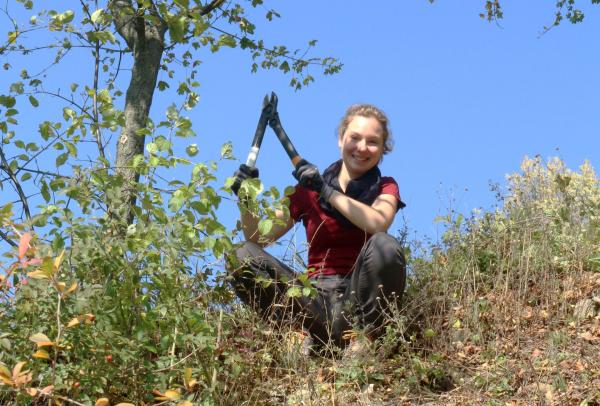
x: 361, y: 145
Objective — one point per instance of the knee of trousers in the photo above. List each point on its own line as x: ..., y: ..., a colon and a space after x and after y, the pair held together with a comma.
x: 387, y: 250
x: 242, y: 256
x: 247, y: 251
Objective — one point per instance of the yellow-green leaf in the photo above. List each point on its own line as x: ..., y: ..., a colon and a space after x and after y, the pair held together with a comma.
x: 41, y: 354
x: 12, y: 36
x: 41, y: 340
x: 71, y: 289
x: 58, y: 260
x: 4, y: 372
x: 168, y: 395
x: 40, y: 274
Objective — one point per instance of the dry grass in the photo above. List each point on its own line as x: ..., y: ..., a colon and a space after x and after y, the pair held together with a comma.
x: 504, y: 311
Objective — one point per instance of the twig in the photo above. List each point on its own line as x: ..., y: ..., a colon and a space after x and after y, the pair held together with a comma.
x: 6, y: 238
x: 6, y: 167
x: 180, y: 361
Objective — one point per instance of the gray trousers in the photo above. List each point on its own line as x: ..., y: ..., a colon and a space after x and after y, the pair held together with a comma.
x: 363, y: 298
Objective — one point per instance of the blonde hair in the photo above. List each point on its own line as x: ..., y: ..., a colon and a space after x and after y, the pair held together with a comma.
x: 369, y: 111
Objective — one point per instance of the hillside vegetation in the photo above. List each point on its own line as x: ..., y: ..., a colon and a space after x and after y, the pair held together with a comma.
x: 504, y: 310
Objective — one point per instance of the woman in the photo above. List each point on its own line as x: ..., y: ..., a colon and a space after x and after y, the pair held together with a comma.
x: 357, y: 268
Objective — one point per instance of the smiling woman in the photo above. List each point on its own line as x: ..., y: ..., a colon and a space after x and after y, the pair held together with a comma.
x: 357, y: 268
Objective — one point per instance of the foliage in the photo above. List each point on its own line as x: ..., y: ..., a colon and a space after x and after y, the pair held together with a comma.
x: 115, y: 290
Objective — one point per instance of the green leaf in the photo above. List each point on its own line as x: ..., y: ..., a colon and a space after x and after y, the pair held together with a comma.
x: 201, y: 26
x: 61, y: 159
x: 45, y: 130
x: 67, y: 17
x: 429, y: 333
x: 265, y: 226
x: 34, y: 102
x: 26, y: 176
x: 227, y: 151
x: 227, y: 40
x: 7, y: 101
x: 152, y: 148
x: 176, y: 202
x: 177, y: 28
x: 97, y: 14
x: 45, y: 190
x: 184, y: 4
x: 71, y: 148
x: 192, y: 150
x: 294, y: 291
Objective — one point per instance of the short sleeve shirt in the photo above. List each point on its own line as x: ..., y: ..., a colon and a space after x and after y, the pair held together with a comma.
x: 332, y: 246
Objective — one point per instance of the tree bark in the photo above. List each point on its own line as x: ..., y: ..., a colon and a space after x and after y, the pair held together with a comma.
x: 146, y: 41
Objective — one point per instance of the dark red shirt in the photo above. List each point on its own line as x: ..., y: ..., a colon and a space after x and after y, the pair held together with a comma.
x: 332, y: 247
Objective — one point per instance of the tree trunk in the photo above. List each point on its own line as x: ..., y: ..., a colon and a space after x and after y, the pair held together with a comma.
x: 146, y: 41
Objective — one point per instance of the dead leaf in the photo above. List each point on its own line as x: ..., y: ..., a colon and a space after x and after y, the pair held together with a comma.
x: 587, y: 336
x: 102, y: 402
x: 73, y: 322
x: 536, y: 353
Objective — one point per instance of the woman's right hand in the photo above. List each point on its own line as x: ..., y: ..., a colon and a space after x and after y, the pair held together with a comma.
x: 244, y: 172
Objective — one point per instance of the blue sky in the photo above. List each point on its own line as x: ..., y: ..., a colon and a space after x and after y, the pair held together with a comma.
x: 467, y: 99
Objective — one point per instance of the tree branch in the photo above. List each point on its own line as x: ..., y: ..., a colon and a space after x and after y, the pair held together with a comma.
x: 209, y: 7
x: 6, y: 167
x: 5, y: 237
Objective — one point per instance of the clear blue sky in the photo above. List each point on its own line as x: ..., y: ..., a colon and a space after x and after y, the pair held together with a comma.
x: 467, y: 99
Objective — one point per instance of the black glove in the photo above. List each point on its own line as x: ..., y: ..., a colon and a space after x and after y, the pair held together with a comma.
x: 243, y: 173
x: 308, y: 176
